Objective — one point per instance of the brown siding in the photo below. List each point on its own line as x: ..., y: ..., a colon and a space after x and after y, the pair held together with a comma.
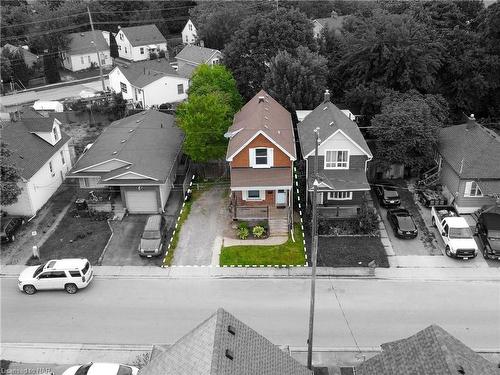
x: 242, y: 158
x: 357, y: 161
x: 269, y: 201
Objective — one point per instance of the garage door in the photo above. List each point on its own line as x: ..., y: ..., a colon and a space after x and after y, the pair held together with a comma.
x: 143, y: 201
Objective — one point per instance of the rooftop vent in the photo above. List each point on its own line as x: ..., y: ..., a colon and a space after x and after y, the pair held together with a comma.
x: 115, y: 152
x: 128, y: 167
x: 332, y: 123
x: 261, y: 99
x: 231, y: 330
x: 131, y: 130
x: 138, y: 121
x: 267, y: 118
x: 229, y: 354
x: 123, y: 141
x: 279, y: 131
x: 324, y: 109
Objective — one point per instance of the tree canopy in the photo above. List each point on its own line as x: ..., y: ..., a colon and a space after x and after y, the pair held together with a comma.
x: 9, y: 177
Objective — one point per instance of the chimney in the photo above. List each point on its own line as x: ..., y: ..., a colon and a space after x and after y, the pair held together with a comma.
x: 202, y: 43
x: 327, y: 96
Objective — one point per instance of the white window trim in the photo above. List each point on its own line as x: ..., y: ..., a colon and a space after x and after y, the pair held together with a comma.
x: 253, y: 157
x: 331, y: 196
x: 468, y: 189
x: 331, y: 150
x: 262, y: 195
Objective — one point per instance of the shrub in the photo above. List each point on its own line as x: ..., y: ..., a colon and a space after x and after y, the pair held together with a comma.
x: 258, y: 231
x: 243, y: 233
x: 161, y: 54
x: 242, y: 225
x: 153, y: 56
x: 367, y: 218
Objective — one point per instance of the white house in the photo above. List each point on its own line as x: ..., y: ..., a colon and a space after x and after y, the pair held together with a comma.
x: 189, y: 34
x: 40, y: 150
x: 148, y: 83
x: 81, y: 53
x: 48, y: 106
x: 334, y: 22
x: 138, y: 42
x: 192, y: 56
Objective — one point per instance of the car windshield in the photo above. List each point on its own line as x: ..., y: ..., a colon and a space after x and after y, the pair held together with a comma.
x: 494, y: 234
x: 391, y: 193
x: 124, y: 370
x: 83, y: 369
x: 460, y: 233
x: 38, y: 270
x: 151, y: 234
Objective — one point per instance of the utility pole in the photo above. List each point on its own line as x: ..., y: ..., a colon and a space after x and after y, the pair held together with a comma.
x: 314, y: 252
x: 96, y: 51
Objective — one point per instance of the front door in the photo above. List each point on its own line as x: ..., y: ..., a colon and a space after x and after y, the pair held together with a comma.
x: 280, y: 197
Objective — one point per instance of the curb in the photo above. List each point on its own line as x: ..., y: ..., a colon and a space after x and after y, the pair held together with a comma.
x: 101, y: 257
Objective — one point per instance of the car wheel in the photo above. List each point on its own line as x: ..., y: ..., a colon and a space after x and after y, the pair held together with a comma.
x: 71, y: 288
x: 433, y: 222
x: 29, y: 289
x: 447, y: 251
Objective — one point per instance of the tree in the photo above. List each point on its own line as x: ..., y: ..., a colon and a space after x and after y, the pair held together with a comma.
x: 9, y: 177
x: 217, y: 78
x: 50, y: 69
x: 297, y: 81
x: 205, y: 119
x: 407, y: 129
x: 257, y: 41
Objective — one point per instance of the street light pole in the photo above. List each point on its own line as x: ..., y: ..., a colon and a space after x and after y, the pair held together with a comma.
x: 96, y: 51
x: 314, y: 252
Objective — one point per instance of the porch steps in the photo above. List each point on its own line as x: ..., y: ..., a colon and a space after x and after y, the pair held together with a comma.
x: 278, y: 227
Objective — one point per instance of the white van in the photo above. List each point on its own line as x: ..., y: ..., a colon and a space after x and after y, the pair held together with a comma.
x: 67, y: 274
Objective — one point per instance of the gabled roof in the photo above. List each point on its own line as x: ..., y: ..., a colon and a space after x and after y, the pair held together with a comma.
x: 28, y: 57
x: 147, y: 142
x: 39, y: 125
x: 142, y: 73
x: 81, y: 43
x: 203, y: 352
x: 29, y: 151
x: 330, y: 119
x: 196, y: 54
x: 432, y: 351
x: 262, y: 115
x: 142, y: 35
x: 333, y: 23
x: 478, y: 147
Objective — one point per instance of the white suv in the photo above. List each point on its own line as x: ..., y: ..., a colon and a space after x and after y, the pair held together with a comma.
x: 67, y: 274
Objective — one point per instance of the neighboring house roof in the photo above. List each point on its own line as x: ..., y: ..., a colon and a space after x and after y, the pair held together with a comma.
x: 142, y: 73
x: 260, y: 177
x: 148, y: 142
x: 29, y: 151
x: 142, y: 35
x: 38, y: 124
x: 196, y: 54
x: 340, y: 179
x: 81, y: 43
x: 333, y: 23
x: 203, y: 351
x: 330, y: 119
x: 432, y: 351
x: 28, y: 57
x: 262, y: 115
x: 471, y: 150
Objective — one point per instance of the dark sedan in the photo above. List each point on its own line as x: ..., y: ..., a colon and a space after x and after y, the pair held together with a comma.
x: 387, y: 196
x: 402, y: 223
x: 9, y: 227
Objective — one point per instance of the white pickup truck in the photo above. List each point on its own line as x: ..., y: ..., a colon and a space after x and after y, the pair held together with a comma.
x: 455, y: 232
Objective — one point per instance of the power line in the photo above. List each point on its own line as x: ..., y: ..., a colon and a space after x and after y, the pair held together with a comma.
x: 41, y: 21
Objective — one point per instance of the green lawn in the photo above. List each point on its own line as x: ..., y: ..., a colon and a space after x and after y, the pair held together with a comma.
x: 290, y: 253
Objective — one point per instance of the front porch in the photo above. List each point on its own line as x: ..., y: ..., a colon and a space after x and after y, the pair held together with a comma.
x: 103, y: 200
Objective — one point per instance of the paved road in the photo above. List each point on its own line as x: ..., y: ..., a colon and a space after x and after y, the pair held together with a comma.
x: 145, y: 311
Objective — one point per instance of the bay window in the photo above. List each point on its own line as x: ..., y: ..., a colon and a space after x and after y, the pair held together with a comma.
x: 336, y: 159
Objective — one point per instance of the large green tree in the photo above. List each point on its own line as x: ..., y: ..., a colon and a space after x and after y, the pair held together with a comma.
x: 9, y: 177
x: 297, y: 81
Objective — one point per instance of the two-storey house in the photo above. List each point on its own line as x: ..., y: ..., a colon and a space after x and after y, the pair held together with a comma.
x: 193, y: 56
x: 342, y: 159
x: 189, y: 34
x: 81, y: 52
x: 261, y: 153
x: 137, y: 43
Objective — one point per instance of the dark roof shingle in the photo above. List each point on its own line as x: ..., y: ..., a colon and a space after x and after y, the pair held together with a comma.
x: 196, y: 54
x: 142, y: 35
x: 81, y: 43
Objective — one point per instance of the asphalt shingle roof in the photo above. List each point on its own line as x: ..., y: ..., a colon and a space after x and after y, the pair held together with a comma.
x: 80, y: 43
x: 143, y: 35
x: 29, y: 151
x: 142, y: 73
x: 203, y: 352
x: 340, y: 179
x: 29, y: 57
x: 150, y: 141
x: 478, y: 147
x: 329, y: 118
x: 196, y: 54
x: 255, y: 177
x: 432, y: 351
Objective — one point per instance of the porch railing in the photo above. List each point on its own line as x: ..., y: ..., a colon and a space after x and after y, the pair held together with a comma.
x: 251, y: 213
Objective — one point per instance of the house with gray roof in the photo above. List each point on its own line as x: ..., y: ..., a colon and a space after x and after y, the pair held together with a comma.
x: 468, y: 165
x: 192, y: 56
x: 148, y: 83
x: 333, y: 23
x: 343, y: 155
x: 41, y: 152
x: 432, y: 351
x: 135, y: 158
x: 81, y: 53
x: 222, y: 345
x: 28, y: 57
x: 137, y: 43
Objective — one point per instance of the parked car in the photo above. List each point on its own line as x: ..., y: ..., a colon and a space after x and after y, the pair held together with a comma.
x: 67, y: 274
x: 387, y: 195
x: 9, y: 226
x: 102, y: 369
x: 488, y: 233
x: 152, y: 237
x: 402, y: 223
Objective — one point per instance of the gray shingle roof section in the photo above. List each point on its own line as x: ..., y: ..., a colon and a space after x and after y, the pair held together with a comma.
x: 29, y: 151
x: 203, y: 352
x: 143, y: 35
x: 80, y: 43
x: 432, y: 351
x: 478, y: 147
x: 150, y: 141
x: 196, y: 54
x: 142, y: 73
x: 340, y: 179
x: 40, y: 124
x: 329, y: 118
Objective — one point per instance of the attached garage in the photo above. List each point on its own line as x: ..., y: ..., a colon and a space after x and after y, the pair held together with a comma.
x: 142, y: 201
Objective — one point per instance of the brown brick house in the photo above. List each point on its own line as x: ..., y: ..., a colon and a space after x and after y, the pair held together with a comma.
x: 261, y: 153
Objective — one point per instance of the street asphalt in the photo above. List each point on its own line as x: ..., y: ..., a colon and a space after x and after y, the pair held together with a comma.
x: 147, y: 311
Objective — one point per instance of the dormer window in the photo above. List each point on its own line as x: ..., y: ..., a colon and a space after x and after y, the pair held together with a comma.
x: 56, y: 134
x: 261, y: 157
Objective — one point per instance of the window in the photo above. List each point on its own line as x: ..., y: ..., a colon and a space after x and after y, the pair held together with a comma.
x: 55, y: 133
x: 123, y: 87
x: 261, y: 156
x: 88, y: 58
x: 215, y: 62
x: 472, y: 189
x: 53, y: 275
x: 253, y: 195
x: 62, y: 158
x: 103, y: 61
x: 119, y: 48
x: 336, y: 159
x: 121, y: 36
x: 142, y: 50
x: 190, y: 27
x: 180, y: 89
x: 86, y: 268
x: 126, y: 50
x: 50, y: 167
x: 340, y: 195
x: 75, y: 273
x: 82, y: 60
x: 187, y: 40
